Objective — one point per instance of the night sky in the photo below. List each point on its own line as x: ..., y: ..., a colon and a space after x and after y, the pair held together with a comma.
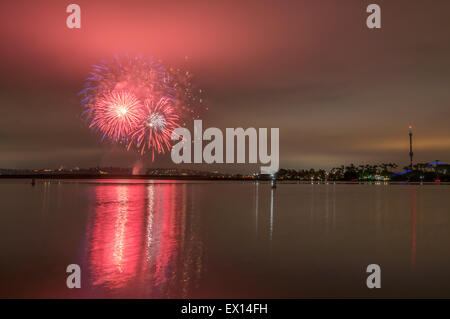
x: 339, y: 92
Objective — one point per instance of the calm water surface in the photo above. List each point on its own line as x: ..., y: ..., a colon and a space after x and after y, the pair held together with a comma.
x: 166, y: 239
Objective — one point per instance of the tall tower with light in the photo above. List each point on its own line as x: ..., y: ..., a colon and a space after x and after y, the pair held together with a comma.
x: 410, y: 148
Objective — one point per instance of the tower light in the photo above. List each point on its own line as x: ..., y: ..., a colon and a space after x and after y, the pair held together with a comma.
x: 411, y: 154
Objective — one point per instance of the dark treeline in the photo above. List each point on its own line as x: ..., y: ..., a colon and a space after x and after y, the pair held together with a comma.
x: 368, y: 172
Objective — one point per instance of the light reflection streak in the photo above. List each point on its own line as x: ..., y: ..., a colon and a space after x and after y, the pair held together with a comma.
x: 413, y: 229
x: 271, y: 214
x: 256, y: 208
x: 139, y: 244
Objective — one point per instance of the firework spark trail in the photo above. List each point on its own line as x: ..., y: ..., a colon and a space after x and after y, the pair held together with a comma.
x: 155, y: 130
x: 116, y: 114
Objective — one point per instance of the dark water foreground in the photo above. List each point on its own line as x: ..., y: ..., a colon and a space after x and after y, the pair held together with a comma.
x: 222, y: 239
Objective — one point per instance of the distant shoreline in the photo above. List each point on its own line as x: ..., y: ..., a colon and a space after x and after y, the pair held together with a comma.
x: 199, y: 178
x: 119, y: 176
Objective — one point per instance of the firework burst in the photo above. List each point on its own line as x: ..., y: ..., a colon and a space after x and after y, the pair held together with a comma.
x: 116, y: 114
x: 156, y: 127
x: 139, y: 102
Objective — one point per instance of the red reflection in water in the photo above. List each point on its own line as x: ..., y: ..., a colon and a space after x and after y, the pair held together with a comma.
x: 117, y: 234
x: 166, y: 236
x: 137, y: 237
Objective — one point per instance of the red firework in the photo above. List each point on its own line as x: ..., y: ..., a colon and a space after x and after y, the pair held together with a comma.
x: 155, y: 128
x: 116, y: 114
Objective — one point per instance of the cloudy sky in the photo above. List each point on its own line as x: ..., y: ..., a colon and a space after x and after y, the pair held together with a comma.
x: 339, y: 92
